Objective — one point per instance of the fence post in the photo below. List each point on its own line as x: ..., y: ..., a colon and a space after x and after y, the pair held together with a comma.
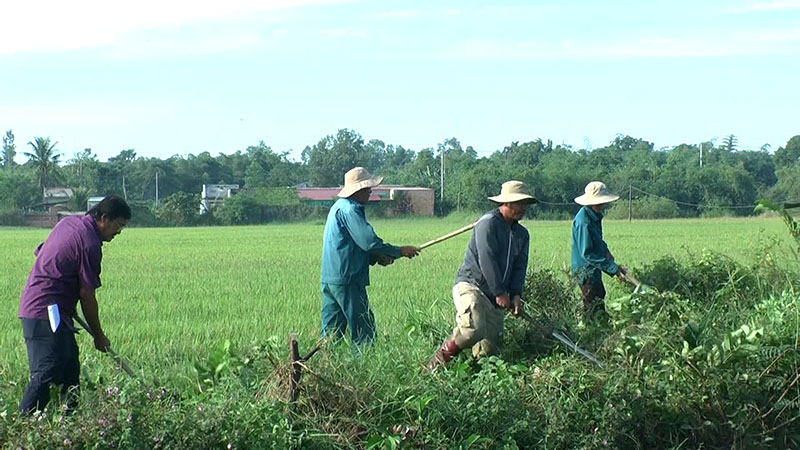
x: 294, y: 368
x: 630, y: 202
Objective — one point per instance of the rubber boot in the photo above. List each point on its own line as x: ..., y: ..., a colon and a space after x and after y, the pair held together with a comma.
x: 446, y: 352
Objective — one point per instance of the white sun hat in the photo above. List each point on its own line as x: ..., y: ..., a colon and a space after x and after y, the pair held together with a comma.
x: 513, y: 191
x: 356, y: 179
x: 596, y: 193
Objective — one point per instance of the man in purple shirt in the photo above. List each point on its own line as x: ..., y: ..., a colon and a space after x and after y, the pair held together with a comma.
x: 67, y: 269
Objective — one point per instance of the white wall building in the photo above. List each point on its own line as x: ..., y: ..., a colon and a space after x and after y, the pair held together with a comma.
x: 214, y: 194
x: 93, y: 201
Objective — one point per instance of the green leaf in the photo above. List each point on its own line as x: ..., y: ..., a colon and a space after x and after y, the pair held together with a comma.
x: 471, y: 440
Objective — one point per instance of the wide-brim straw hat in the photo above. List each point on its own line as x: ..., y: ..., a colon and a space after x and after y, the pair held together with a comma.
x: 596, y: 193
x: 356, y: 179
x: 513, y: 191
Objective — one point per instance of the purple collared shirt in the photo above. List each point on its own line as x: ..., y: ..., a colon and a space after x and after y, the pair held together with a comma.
x: 67, y: 261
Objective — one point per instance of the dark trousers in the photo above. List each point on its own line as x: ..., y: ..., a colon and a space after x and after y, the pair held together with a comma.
x: 593, y: 296
x: 346, y: 305
x: 52, y: 358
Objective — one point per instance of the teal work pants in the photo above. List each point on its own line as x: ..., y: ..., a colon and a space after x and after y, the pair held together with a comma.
x: 346, y: 306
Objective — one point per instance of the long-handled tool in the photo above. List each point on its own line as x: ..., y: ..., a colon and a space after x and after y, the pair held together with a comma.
x: 632, y: 280
x: 638, y: 285
x: 561, y: 337
x: 122, y: 363
x: 447, y: 236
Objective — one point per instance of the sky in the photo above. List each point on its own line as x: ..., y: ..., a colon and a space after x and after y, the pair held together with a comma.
x: 179, y: 77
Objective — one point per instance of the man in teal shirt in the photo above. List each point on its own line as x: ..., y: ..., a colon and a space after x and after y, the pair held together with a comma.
x: 590, y: 254
x: 349, y: 247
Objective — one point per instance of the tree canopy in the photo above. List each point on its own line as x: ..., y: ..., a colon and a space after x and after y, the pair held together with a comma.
x: 729, y: 181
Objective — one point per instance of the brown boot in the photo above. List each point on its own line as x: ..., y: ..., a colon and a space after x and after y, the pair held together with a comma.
x: 446, y: 352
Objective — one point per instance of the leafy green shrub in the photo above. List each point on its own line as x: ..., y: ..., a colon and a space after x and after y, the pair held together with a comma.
x: 142, y: 215
x: 710, y: 276
x: 548, y: 295
x: 715, y: 207
x: 265, y: 205
x: 238, y: 210
x: 644, y: 208
x: 180, y: 209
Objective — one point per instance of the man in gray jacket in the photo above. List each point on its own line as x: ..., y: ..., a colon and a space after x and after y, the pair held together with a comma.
x: 490, y: 280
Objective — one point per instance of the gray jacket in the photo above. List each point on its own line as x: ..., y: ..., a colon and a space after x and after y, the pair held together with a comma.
x: 496, y: 257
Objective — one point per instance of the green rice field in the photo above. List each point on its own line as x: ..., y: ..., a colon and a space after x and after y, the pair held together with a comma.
x: 171, y: 295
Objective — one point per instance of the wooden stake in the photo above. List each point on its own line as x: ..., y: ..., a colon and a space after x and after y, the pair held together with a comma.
x: 294, y: 365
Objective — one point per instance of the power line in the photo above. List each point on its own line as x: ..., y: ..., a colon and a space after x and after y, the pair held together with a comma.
x: 692, y: 204
x: 557, y: 203
x: 696, y: 205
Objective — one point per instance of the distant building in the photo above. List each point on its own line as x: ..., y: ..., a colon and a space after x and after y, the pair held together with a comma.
x: 214, y: 194
x: 93, y: 201
x: 406, y: 200
x: 56, y: 195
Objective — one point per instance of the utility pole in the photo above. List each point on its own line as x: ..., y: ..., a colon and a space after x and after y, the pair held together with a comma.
x: 124, y: 191
x: 701, y: 154
x: 156, y: 187
x: 630, y: 202
x: 441, y: 179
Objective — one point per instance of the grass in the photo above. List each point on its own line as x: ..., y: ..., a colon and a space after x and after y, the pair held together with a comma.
x: 171, y: 296
x: 169, y: 293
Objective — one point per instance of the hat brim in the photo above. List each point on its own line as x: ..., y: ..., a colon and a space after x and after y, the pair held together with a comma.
x: 591, y: 200
x: 349, y: 190
x: 512, y: 198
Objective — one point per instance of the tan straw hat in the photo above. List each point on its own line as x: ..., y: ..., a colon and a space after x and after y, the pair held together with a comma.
x: 595, y: 193
x: 513, y: 191
x: 356, y: 179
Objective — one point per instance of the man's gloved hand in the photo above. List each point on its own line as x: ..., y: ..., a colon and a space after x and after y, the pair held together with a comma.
x: 622, y: 270
x: 503, y: 301
x: 409, y: 251
x: 102, y: 343
x: 383, y: 259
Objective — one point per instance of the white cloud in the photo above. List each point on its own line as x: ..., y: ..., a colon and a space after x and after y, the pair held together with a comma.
x: 509, y: 12
x: 450, y: 11
x: 771, y: 36
x: 740, y: 43
x: 343, y: 33
x: 399, y: 14
x: 776, y: 5
x: 157, y: 44
x: 80, y: 114
x: 55, y: 25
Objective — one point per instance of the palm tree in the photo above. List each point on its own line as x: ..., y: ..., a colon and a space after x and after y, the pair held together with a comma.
x: 44, y: 159
x: 79, y: 199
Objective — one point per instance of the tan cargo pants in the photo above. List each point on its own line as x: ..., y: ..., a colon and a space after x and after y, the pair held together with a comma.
x: 479, y: 323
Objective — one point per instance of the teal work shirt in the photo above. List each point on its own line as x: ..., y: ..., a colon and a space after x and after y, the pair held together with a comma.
x: 348, y: 243
x: 589, y: 250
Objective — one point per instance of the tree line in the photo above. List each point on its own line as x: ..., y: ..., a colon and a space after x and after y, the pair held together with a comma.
x: 683, y: 181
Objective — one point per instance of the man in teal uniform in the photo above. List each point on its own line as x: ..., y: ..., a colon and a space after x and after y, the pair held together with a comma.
x: 590, y: 254
x: 349, y: 247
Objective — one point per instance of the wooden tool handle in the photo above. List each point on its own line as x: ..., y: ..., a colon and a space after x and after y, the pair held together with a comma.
x: 447, y: 236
